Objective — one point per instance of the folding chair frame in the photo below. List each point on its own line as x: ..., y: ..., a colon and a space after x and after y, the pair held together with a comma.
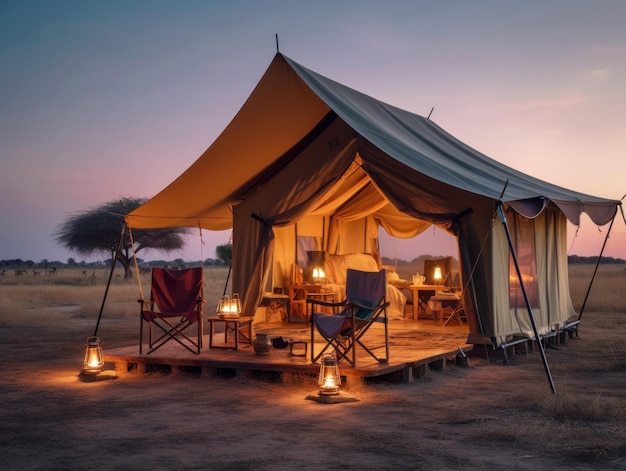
x: 172, y: 325
x: 170, y: 331
x: 345, y: 345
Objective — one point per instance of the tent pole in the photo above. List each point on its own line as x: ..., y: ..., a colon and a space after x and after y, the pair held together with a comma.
x: 526, y: 300
x: 462, y: 236
x: 227, y: 278
x: 595, y: 270
x: 106, y: 291
x: 230, y: 266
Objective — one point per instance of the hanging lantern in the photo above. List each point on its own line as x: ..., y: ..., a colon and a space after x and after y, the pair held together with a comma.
x: 329, y: 379
x: 437, y: 275
x: 229, y: 308
x: 94, y: 358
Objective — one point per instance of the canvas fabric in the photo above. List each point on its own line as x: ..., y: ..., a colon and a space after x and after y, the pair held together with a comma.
x: 309, y: 152
x: 175, y: 293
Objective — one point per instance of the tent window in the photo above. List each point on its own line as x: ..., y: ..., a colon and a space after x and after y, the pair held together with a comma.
x: 309, y: 254
x: 305, y: 245
x: 523, y: 235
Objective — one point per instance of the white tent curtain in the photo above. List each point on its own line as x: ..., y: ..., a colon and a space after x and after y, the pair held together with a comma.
x: 555, y: 305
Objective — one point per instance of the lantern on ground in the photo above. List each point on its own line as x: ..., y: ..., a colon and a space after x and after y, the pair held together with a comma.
x: 228, y: 307
x: 329, y: 379
x: 94, y: 358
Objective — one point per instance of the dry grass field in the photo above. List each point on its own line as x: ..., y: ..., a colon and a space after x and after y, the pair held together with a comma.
x: 486, y: 416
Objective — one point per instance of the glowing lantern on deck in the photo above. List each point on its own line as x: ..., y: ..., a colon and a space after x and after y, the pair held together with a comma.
x: 229, y: 307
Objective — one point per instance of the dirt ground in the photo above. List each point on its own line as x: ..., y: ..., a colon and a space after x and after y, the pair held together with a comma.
x: 487, y: 416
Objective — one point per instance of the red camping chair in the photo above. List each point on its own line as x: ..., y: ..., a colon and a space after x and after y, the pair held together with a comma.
x: 364, y: 306
x: 175, y: 305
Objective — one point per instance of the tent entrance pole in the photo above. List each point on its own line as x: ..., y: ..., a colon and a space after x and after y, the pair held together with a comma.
x: 595, y: 270
x: 526, y: 300
x: 106, y: 290
x: 230, y: 267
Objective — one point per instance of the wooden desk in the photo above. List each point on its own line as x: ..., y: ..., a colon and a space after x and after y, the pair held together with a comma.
x: 421, y: 294
x: 241, y: 326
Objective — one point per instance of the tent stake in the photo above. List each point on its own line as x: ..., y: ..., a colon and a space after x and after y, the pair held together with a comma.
x: 526, y: 300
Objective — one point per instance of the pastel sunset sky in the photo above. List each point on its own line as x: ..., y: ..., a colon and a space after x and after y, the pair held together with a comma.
x: 105, y: 99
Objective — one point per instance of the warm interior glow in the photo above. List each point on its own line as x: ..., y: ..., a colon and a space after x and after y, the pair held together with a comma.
x: 228, y: 307
x: 437, y: 274
x: 94, y: 358
x: 329, y: 382
x: 318, y: 274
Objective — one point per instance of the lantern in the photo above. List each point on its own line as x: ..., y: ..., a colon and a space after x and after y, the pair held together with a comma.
x: 318, y: 275
x: 229, y: 307
x: 329, y: 379
x: 94, y: 359
x: 437, y: 275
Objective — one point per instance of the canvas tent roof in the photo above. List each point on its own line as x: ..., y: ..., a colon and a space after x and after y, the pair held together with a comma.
x: 292, y: 104
x: 303, y: 146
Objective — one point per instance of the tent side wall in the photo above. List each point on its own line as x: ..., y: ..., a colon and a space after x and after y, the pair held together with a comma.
x: 550, y: 301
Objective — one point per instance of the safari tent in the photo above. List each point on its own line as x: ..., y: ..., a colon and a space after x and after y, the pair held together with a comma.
x: 312, y: 162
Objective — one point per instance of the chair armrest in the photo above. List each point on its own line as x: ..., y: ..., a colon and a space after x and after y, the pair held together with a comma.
x: 352, y: 304
x: 321, y: 302
x: 375, y: 316
x: 146, y: 305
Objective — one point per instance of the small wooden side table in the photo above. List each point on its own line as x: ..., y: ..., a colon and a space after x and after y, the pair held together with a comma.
x: 241, y: 327
x: 298, y: 292
x: 325, y: 296
x: 275, y: 303
x: 442, y: 303
x: 421, y: 294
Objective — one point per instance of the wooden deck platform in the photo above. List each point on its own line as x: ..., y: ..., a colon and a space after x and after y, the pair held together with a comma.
x: 415, y: 347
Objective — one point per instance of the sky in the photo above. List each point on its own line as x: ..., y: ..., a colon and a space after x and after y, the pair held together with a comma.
x: 102, y: 100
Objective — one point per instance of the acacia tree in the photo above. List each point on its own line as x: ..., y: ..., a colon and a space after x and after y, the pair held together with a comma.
x: 98, y: 230
x: 225, y: 253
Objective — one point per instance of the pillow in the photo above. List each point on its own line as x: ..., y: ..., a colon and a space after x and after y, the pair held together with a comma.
x: 361, y: 262
x: 338, y: 265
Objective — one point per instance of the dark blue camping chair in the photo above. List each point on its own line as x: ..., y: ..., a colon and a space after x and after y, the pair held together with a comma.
x: 364, y: 306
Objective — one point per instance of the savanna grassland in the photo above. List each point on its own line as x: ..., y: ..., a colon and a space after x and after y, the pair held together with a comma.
x: 487, y: 416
